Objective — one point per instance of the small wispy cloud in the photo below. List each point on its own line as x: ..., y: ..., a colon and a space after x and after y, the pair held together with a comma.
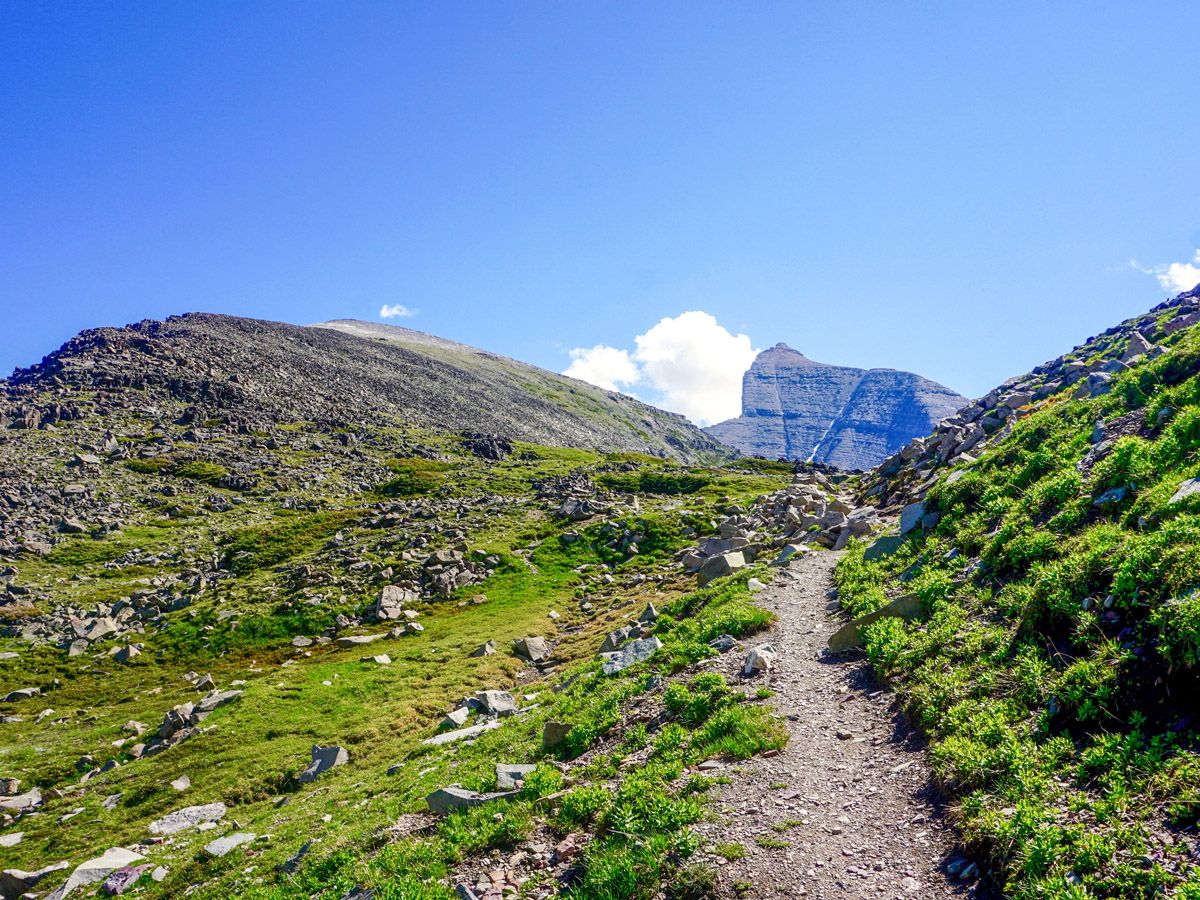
x: 396, y: 311
x: 1174, y: 277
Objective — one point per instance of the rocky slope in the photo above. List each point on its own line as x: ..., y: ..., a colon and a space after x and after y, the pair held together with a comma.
x: 273, y: 626
x: 256, y: 373
x: 1089, y: 370
x: 796, y: 408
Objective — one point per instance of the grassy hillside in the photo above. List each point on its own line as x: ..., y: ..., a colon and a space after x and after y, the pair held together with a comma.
x: 1056, y: 671
x: 253, y: 550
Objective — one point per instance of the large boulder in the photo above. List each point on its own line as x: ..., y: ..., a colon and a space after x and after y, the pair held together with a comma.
x: 719, y: 566
x: 849, y: 635
x: 494, y: 703
x: 534, y: 649
x: 632, y: 653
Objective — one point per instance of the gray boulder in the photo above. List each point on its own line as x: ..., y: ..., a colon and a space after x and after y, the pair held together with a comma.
x: 188, y: 817
x: 554, y: 733
x: 631, y: 654
x: 495, y: 703
x: 534, y: 649
x: 510, y: 775
x: 759, y: 660
x: 323, y: 759
x: 719, y: 566
x: 448, y: 799
x: 910, y: 517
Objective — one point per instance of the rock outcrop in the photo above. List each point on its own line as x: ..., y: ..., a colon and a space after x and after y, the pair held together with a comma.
x: 796, y: 408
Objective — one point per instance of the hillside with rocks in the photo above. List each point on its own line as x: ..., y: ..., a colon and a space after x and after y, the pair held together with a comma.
x: 254, y: 374
x: 260, y: 640
x: 256, y: 644
x: 796, y: 408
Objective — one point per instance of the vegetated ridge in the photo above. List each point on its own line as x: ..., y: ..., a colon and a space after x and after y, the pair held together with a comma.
x: 796, y: 408
x: 1053, y: 542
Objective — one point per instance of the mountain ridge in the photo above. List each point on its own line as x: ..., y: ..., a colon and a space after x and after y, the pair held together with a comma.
x: 336, y: 374
x: 794, y: 407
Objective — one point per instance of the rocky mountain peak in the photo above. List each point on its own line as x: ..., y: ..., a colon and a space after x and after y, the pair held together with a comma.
x: 797, y: 408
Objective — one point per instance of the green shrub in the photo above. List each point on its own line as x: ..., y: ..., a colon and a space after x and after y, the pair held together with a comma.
x: 415, y: 477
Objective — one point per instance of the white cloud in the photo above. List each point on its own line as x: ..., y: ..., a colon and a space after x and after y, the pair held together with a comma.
x: 1174, y: 277
x: 396, y: 311
x: 689, y: 364
x: 603, y: 366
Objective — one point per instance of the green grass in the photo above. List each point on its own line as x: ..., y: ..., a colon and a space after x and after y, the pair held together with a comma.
x: 1053, y: 677
x: 290, y: 535
x: 239, y: 627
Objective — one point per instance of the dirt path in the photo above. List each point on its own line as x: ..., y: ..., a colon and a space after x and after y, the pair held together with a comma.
x: 848, y: 797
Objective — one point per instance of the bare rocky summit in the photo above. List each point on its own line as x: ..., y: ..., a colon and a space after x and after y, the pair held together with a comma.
x: 796, y: 408
x: 341, y: 374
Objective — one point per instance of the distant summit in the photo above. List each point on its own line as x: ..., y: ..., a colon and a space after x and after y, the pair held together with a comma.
x: 797, y: 408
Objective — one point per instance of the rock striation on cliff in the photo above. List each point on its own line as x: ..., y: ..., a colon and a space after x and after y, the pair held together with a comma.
x: 797, y: 408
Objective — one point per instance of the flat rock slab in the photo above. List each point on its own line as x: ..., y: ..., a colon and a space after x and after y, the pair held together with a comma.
x: 357, y: 640
x: 229, y: 842
x: 188, y: 817
x: 460, y: 734
x: 96, y: 870
x: 448, y: 799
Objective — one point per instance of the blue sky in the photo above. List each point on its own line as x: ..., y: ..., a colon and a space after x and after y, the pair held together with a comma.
x: 953, y: 188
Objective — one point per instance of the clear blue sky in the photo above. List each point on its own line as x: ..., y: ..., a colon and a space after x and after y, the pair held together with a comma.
x: 954, y: 188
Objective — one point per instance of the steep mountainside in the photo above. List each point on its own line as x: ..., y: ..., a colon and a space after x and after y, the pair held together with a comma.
x: 795, y: 408
x: 1050, y: 538
x: 344, y: 374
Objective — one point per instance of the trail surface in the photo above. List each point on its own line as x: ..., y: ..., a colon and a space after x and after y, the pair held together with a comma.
x: 845, y: 809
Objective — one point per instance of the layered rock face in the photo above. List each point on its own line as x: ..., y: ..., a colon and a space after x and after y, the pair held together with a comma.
x: 797, y: 408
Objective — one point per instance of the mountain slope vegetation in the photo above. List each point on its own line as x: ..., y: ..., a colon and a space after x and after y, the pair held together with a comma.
x: 1059, y: 567
x: 208, y: 572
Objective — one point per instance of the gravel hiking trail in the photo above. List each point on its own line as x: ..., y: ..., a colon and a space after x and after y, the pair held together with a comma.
x: 846, y: 808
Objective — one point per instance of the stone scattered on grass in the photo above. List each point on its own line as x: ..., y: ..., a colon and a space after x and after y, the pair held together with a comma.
x: 229, y: 842
x: 509, y: 776
x: 188, y: 817
x: 323, y: 759
x: 631, y: 654
x: 554, y: 733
